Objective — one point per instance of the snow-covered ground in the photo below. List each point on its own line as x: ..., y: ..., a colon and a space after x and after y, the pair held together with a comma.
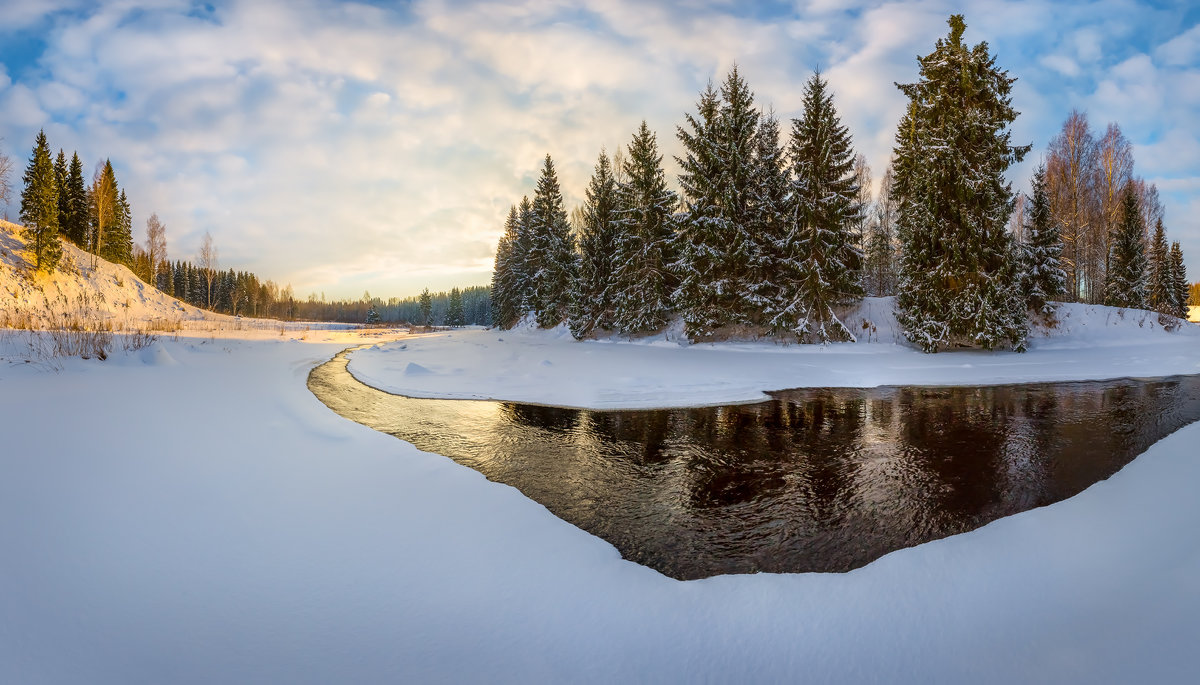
x: 190, y: 513
x: 550, y: 367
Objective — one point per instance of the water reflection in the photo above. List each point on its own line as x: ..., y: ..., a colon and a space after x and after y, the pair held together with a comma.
x: 812, y: 480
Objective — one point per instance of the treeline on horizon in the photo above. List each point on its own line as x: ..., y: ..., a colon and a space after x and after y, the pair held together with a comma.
x: 57, y: 205
x: 772, y: 239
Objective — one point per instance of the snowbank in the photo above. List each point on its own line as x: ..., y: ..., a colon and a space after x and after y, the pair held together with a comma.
x: 210, y: 521
x: 549, y: 367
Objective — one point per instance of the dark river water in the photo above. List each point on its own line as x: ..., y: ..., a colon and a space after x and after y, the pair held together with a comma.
x: 811, y: 480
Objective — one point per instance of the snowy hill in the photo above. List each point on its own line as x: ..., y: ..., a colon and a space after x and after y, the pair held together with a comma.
x: 83, y: 286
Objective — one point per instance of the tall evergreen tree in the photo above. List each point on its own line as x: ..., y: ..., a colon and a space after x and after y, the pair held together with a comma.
x: 1125, y: 284
x: 426, y: 305
x: 61, y: 178
x: 553, y: 246
x: 644, y: 279
x: 455, y: 316
x: 594, y: 294
x: 766, y: 295
x: 505, y: 288
x: 75, y: 220
x: 103, y: 197
x: 1179, y: 282
x: 823, y: 267
x: 957, y: 267
x: 118, y: 242
x: 1160, y: 293
x: 716, y: 244
x: 1042, y: 276
x: 525, y: 263
x: 39, y: 206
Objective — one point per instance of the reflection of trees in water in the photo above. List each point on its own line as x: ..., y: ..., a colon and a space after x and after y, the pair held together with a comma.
x: 811, y: 480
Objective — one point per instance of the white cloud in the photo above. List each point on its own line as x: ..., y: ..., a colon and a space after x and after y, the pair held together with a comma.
x: 340, y: 145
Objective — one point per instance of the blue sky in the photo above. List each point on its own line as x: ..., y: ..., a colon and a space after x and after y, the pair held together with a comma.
x: 343, y: 147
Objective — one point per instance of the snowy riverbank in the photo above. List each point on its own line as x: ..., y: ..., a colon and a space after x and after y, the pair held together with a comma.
x: 193, y: 514
x: 550, y: 367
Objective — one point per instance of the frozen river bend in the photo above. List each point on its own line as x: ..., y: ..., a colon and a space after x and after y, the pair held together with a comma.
x: 194, y: 514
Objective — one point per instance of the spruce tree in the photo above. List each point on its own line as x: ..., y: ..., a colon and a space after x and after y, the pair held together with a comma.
x: 1179, y: 282
x: 823, y: 265
x: 39, y: 206
x: 103, y: 198
x: 766, y: 295
x: 1125, y: 284
x: 455, y: 316
x: 957, y: 268
x: 426, y: 305
x: 594, y: 294
x: 76, y: 226
x: 644, y: 280
x: 118, y: 242
x: 1042, y: 276
x: 553, y: 246
x: 505, y: 288
x: 703, y: 231
x: 1160, y: 293
x: 716, y: 245
x: 524, y: 263
x: 61, y: 177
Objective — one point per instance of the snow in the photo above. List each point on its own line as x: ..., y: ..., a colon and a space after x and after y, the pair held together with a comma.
x: 211, y: 521
x: 188, y: 512
x: 550, y: 367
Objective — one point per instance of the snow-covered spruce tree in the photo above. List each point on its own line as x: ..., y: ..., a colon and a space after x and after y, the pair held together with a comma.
x: 1125, y: 283
x: 958, y: 276
x: 39, y: 206
x: 524, y: 262
x: 644, y: 280
x: 553, y: 246
x: 765, y: 293
x: 455, y: 315
x: 372, y: 316
x: 1160, y: 295
x: 592, y: 299
x: 823, y: 265
x: 717, y: 183
x: 1042, y: 276
x: 1179, y: 282
x: 505, y: 289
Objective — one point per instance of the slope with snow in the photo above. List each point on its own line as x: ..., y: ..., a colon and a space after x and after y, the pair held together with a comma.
x: 83, y: 285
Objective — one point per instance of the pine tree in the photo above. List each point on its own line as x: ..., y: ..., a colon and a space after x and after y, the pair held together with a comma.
x: 553, y: 246
x: 76, y: 226
x: 455, y: 316
x: 594, y: 293
x: 39, y: 206
x: 426, y: 304
x: 1160, y: 293
x: 1042, y: 277
x: 505, y: 288
x: 643, y: 279
x: 1125, y: 284
x: 957, y: 267
x: 1179, y: 282
x: 823, y: 266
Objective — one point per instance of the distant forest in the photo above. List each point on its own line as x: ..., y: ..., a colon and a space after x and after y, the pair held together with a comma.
x: 57, y: 204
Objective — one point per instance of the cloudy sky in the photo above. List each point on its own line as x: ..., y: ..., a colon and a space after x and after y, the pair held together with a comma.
x: 343, y: 147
